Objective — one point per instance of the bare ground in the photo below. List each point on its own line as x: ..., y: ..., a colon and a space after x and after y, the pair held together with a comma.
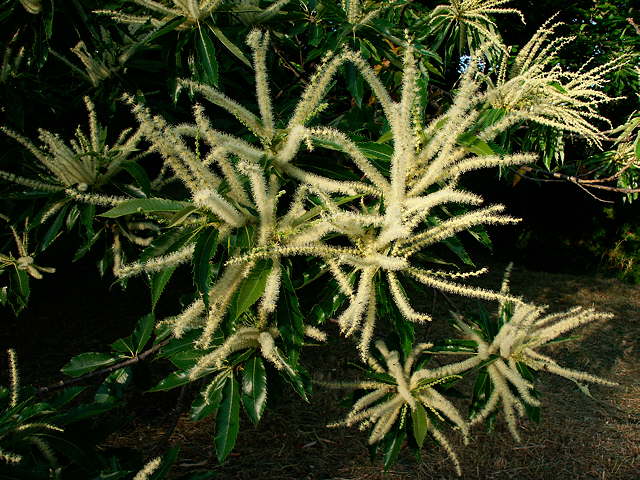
x: 578, y: 437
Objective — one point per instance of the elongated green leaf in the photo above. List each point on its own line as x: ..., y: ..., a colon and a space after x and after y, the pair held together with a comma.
x: 170, y: 26
x: 82, y: 251
x: 296, y: 380
x: 228, y: 419
x: 134, y: 343
x: 173, y: 380
x: 168, y: 460
x: 181, y: 216
x: 204, y: 406
x: 123, y: 345
x: 207, y: 57
x: 230, y: 45
x: 158, y: 283
x: 143, y: 331
x: 143, y: 205
x: 80, y: 412
x: 72, y: 217
x: 19, y: 287
x: 113, y: 387
x: 419, y: 423
x: 355, y: 85
x: 87, y: 362
x: 66, y: 396
x: 481, y: 391
x: 288, y: 315
x: 475, y: 144
x: 455, y: 245
x: 376, y: 150
x: 54, y: 229
x: 205, y: 249
x: 139, y: 175
x: 391, y: 447
x: 187, y: 358
x: 251, y: 290
x: 254, y: 389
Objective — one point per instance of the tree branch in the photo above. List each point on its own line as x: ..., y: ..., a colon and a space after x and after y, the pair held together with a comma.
x: 95, y: 373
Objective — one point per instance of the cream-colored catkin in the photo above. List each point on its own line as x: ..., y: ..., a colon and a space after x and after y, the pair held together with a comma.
x: 217, y: 204
x: 14, y: 377
x: 148, y: 469
x: 402, y: 302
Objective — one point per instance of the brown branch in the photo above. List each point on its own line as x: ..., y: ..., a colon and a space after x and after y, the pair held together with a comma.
x: 124, y: 363
x: 584, y: 184
x: 615, y: 176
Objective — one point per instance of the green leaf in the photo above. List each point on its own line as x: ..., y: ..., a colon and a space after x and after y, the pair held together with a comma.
x: 230, y: 45
x: 84, y: 249
x: 376, y: 150
x: 87, y: 362
x: 254, y: 389
x: 143, y: 205
x: 168, y: 460
x: 123, y: 345
x: 419, y: 422
x: 481, y: 390
x: 391, y: 447
x: 54, y: 229
x: 81, y: 412
x: 173, y: 380
x: 181, y: 216
x: 19, y: 290
x: 385, y: 137
x: 66, y: 396
x: 455, y: 345
x: 251, y: 289
x: 202, y: 406
x: 557, y: 86
x: 153, y: 35
x: 139, y: 175
x: 355, y: 85
x: 187, y: 358
x: 205, y: 249
x: 112, y: 388
x: 295, y: 380
x: 143, y: 331
x: 207, y: 57
x: 72, y: 217
x: 227, y: 419
x: 158, y: 283
x: 134, y: 343
x: 455, y: 245
x: 288, y: 315
x: 475, y: 144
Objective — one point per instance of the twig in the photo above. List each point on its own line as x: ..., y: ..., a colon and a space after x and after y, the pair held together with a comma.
x: 124, y: 363
x: 583, y: 183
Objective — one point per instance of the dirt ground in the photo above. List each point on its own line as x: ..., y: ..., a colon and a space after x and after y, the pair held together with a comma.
x: 578, y: 437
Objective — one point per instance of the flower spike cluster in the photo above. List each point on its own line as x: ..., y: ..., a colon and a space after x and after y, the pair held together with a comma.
x: 517, y: 343
x: 383, y: 221
x: 383, y: 233
x: 531, y: 87
x: 84, y: 161
x: 387, y: 402
x: 251, y: 337
x: 473, y: 16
